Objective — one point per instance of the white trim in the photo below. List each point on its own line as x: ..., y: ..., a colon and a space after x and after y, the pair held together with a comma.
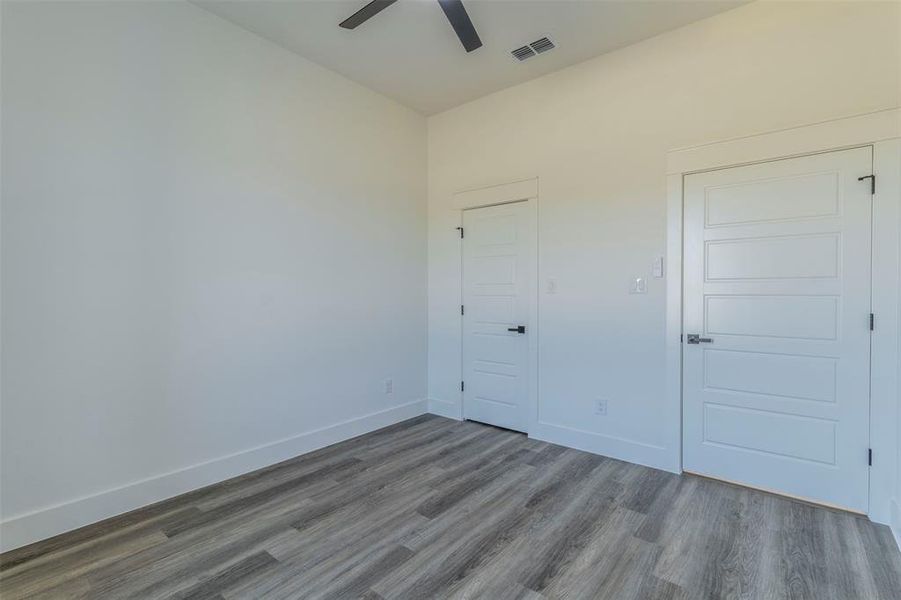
x: 52, y: 520
x: 534, y: 320
x: 444, y: 408
x: 503, y: 193
x: 881, y: 130
x: 649, y: 455
x: 884, y: 356
x: 858, y: 130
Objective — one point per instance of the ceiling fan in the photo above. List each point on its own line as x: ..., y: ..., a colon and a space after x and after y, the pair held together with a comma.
x: 453, y: 9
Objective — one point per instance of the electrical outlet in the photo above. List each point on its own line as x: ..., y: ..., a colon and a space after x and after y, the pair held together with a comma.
x: 389, y: 386
x: 600, y: 407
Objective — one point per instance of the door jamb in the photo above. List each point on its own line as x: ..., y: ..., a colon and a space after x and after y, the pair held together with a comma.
x: 882, y: 131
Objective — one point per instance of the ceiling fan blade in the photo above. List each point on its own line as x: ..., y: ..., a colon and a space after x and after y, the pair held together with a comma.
x: 461, y: 23
x: 365, y: 13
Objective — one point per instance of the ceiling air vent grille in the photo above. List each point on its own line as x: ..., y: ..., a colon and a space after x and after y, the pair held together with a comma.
x: 542, y: 45
x: 535, y: 48
x: 523, y: 53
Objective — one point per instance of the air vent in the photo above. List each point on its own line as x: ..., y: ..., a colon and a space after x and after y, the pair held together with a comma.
x: 533, y: 49
x: 523, y: 53
x: 542, y: 45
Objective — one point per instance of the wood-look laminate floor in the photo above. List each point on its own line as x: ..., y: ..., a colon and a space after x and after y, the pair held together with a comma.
x: 435, y: 508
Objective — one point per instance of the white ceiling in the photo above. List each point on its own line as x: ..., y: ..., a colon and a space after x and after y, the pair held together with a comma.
x: 409, y: 51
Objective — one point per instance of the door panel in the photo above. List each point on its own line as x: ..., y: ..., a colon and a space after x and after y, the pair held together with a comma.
x: 497, y: 250
x: 763, y: 431
x: 777, y: 276
x: 800, y: 257
x: 772, y: 199
x: 787, y: 376
x: 805, y: 317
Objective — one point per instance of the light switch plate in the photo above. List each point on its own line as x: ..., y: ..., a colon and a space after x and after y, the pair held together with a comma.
x: 639, y: 286
x: 658, y: 267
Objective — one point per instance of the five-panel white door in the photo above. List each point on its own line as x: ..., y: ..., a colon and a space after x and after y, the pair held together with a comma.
x: 497, y: 283
x: 777, y: 278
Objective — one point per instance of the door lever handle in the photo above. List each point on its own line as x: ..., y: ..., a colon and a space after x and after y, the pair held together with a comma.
x: 517, y: 329
x: 694, y: 338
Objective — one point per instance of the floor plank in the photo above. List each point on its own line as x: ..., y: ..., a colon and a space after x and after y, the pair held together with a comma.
x: 435, y: 508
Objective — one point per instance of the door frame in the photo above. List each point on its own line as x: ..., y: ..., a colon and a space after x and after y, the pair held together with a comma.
x: 507, y: 193
x: 882, y: 131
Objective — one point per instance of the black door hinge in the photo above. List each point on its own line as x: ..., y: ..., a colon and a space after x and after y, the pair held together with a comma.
x: 462, y: 385
x: 462, y: 310
x: 872, y: 179
x: 460, y: 229
x: 872, y: 322
x: 870, y: 456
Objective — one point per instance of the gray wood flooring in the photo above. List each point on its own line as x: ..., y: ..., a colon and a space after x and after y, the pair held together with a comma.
x: 435, y: 508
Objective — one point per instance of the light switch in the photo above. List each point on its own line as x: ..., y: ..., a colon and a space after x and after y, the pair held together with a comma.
x: 639, y: 286
x: 552, y: 285
x: 658, y: 267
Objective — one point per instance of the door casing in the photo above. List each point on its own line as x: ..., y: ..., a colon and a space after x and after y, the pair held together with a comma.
x: 880, y: 130
x: 507, y: 193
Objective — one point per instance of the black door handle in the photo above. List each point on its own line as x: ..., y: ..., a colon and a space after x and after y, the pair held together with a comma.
x: 519, y: 329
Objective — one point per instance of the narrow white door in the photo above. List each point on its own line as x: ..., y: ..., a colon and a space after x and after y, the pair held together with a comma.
x: 498, y: 247
x: 777, y: 286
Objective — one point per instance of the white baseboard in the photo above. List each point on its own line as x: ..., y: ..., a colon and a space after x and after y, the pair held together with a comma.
x: 656, y: 457
x: 895, y: 523
x: 443, y: 408
x: 47, y: 522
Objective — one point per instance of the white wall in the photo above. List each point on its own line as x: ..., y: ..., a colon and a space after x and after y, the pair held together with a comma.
x: 596, y: 136
x: 209, y: 246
